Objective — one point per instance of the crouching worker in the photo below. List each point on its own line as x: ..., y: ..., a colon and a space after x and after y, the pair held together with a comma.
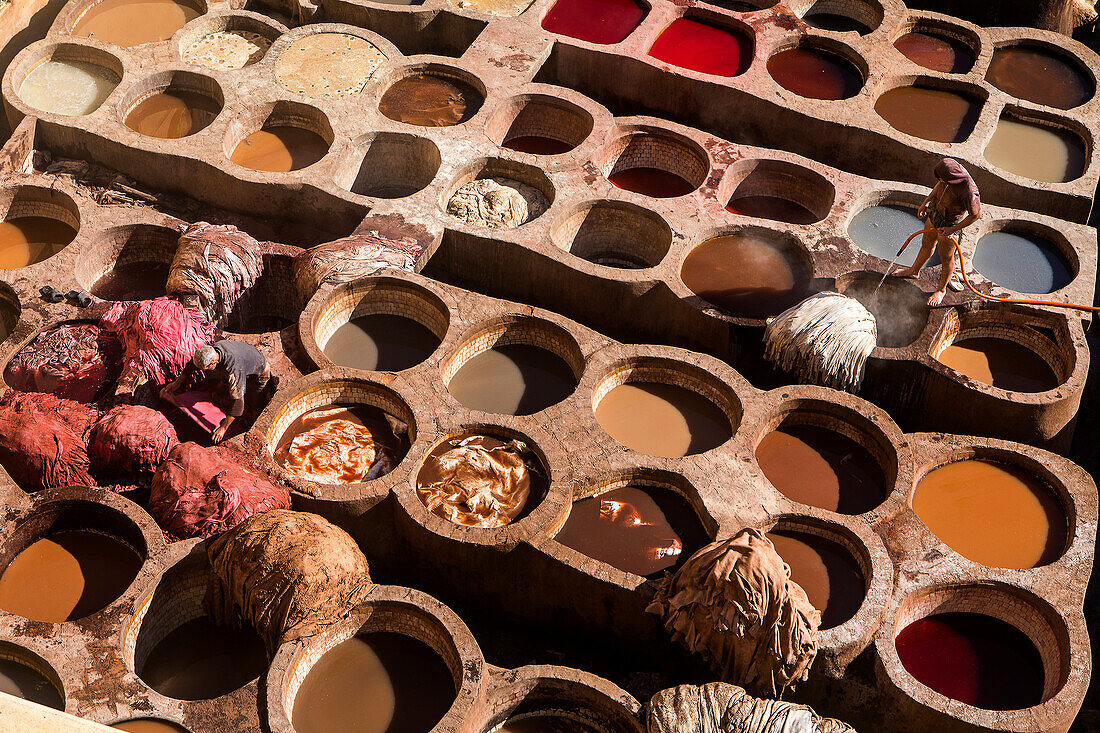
x: 241, y: 373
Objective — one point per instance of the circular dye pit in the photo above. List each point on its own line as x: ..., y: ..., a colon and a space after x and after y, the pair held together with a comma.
x: 1037, y: 152
x: 822, y: 468
x: 831, y: 577
x: 1000, y: 363
x: 68, y: 575
x: 595, y: 21
x: 542, y: 125
x: 899, y: 307
x: 937, y: 52
x: 20, y: 680
x: 995, y: 514
x: 200, y: 660
x: 430, y: 100
x: 280, y: 149
x: 702, y: 47
x: 973, y: 658
x: 514, y: 379
x: 751, y: 274
x: 67, y: 87
x: 658, y: 166
x: 776, y: 208
x: 662, y: 419
x: 1022, y: 262
x: 1040, y: 76
x: 497, y: 203
x: 381, y: 342
x: 544, y: 723
x: 538, y: 145
x: 379, y: 682
x: 614, y: 234
x: 327, y: 65
x: 149, y: 725
x: 228, y: 49
x: 134, y: 22
x: 172, y: 113
x: 637, y: 529
x: 834, y: 22
x: 343, y: 444
x: 133, y: 281
x: 815, y: 74
x: 653, y: 182
x: 931, y: 114
x: 881, y: 230
x: 26, y: 240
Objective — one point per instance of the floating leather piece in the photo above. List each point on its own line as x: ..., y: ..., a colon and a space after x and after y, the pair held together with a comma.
x: 475, y: 485
x: 337, y: 448
x: 719, y: 707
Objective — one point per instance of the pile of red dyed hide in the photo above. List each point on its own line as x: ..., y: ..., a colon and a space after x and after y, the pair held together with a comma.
x: 76, y: 361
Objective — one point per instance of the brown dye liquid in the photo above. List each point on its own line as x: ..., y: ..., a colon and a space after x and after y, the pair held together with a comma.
x: 772, y: 207
x: 375, y: 683
x: 662, y: 419
x: 538, y: 145
x: 992, y: 513
x: 430, y: 101
x: 279, y: 149
x: 172, y: 114
x: 134, y: 22
x: 148, y: 725
x: 381, y: 342
x: 635, y: 529
x: 135, y: 281
x: 1039, y: 76
x: 745, y: 275
x: 21, y: 681
x: 373, y: 418
x: 67, y: 576
x: 939, y: 53
x: 26, y: 240
x: 1001, y: 363
x: 827, y: 572
x: 516, y: 379
x: 200, y: 660
x: 821, y: 468
x: 545, y: 723
x: 815, y: 74
x: 931, y: 114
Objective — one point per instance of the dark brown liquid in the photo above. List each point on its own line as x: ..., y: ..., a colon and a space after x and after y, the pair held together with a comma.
x: 662, y: 419
x: 636, y: 529
x: 931, y: 114
x: 1001, y: 363
x: 280, y: 149
x: 822, y: 468
x: 1039, y: 76
x: 745, y: 275
x: 68, y: 575
x: 135, y: 281
x: 834, y: 22
x: 381, y: 343
x: 513, y: 380
x: 827, y: 572
x: 545, y: 723
x: 149, y: 725
x: 172, y: 114
x: 134, y: 22
x: 375, y: 683
x: 317, y: 458
x: 26, y: 240
x: 430, y: 101
x: 653, y: 182
x: 199, y: 660
x: 772, y: 207
x: 815, y: 74
x: 538, y: 145
x: 22, y: 681
x: 939, y: 53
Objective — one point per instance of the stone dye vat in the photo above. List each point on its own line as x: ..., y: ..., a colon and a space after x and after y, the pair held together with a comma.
x: 1039, y: 75
x: 430, y: 100
x: 1036, y: 151
x: 381, y: 342
x: 826, y: 570
x: 1027, y: 263
x: 815, y: 73
x: 937, y: 51
x: 172, y: 113
x: 1001, y: 363
x: 595, y: 21
x: 67, y: 87
x: 149, y: 725
x: 662, y: 419
x: 931, y: 114
x: 20, y: 676
x: 513, y: 380
x: 280, y: 149
x: 129, y: 23
x: 339, y: 444
x: 697, y: 46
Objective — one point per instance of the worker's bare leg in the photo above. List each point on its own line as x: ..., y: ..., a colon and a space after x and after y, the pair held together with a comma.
x: 946, y: 248
x: 927, y: 246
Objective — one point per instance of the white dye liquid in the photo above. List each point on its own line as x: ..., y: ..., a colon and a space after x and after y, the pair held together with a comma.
x: 67, y: 87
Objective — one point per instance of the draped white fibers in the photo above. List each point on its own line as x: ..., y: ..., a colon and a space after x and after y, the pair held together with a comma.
x: 825, y: 340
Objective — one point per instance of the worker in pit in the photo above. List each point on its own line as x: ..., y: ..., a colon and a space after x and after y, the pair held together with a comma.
x: 953, y: 205
x: 240, y: 370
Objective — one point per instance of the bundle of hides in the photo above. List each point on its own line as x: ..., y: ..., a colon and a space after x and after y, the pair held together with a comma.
x: 158, y: 336
x: 43, y: 440
x: 288, y: 574
x: 1084, y: 12
x: 498, y: 203
x: 719, y: 707
x: 335, y: 450
x: 201, y: 492
x: 129, y: 442
x: 474, y: 485
x: 825, y: 340
x: 733, y: 602
x: 350, y: 258
x: 217, y: 264
x: 73, y: 362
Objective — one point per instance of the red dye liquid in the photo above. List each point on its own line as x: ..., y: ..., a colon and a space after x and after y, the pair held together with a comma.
x: 772, y: 207
x: 659, y: 184
x: 595, y: 21
x: 815, y: 74
x: 701, y: 47
x: 973, y: 658
x: 538, y: 145
x: 938, y: 53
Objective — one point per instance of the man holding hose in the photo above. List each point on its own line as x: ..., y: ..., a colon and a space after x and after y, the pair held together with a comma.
x: 953, y: 205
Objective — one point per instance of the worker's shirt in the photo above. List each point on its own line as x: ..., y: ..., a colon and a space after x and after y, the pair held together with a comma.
x: 237, y: 361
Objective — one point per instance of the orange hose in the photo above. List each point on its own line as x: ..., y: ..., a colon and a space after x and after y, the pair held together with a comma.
x: 1019, y: 301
